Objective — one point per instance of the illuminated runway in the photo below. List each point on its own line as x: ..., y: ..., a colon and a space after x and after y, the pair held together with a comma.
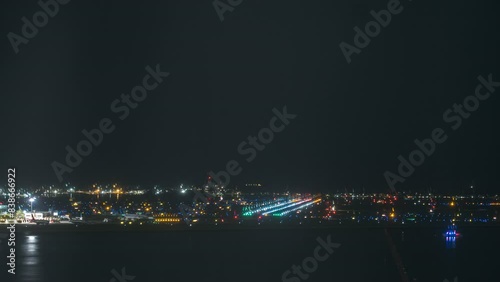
x: 280, y: 208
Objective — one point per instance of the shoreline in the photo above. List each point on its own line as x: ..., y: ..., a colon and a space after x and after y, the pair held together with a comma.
x: 71, y: 228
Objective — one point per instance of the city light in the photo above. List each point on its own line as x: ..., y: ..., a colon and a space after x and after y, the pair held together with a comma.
x: 31, y: 200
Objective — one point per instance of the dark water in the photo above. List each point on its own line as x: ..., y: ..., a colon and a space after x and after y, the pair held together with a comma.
x: 259, y: 255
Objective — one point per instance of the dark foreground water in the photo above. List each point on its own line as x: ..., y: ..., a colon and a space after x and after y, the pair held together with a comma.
x: 254, y: 255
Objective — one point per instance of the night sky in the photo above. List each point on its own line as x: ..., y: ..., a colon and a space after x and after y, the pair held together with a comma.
x: 353, y: 120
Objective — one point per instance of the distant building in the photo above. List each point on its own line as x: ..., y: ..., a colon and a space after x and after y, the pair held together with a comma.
x: 37, y: 215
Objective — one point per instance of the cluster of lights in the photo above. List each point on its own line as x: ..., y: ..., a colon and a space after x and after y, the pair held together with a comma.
x: 288, y: 206
x: 167, y: 220
x: 273, y: 208
x: 452, y: 232
x: 276, y: 206
x: 297, y: 208
x: 270, y: 205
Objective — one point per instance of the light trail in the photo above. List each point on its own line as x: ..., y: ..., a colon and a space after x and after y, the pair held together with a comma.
x: 286, y: 207
x: 249, y: 213
x: 297, y: 208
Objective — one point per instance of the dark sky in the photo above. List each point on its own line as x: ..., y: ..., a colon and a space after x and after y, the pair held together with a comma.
x: 226, y: 77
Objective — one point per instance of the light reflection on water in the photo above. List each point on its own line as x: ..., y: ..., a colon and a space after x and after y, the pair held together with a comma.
x: 250, y: 255
x: 451, y: 242
x: 28, y: 263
